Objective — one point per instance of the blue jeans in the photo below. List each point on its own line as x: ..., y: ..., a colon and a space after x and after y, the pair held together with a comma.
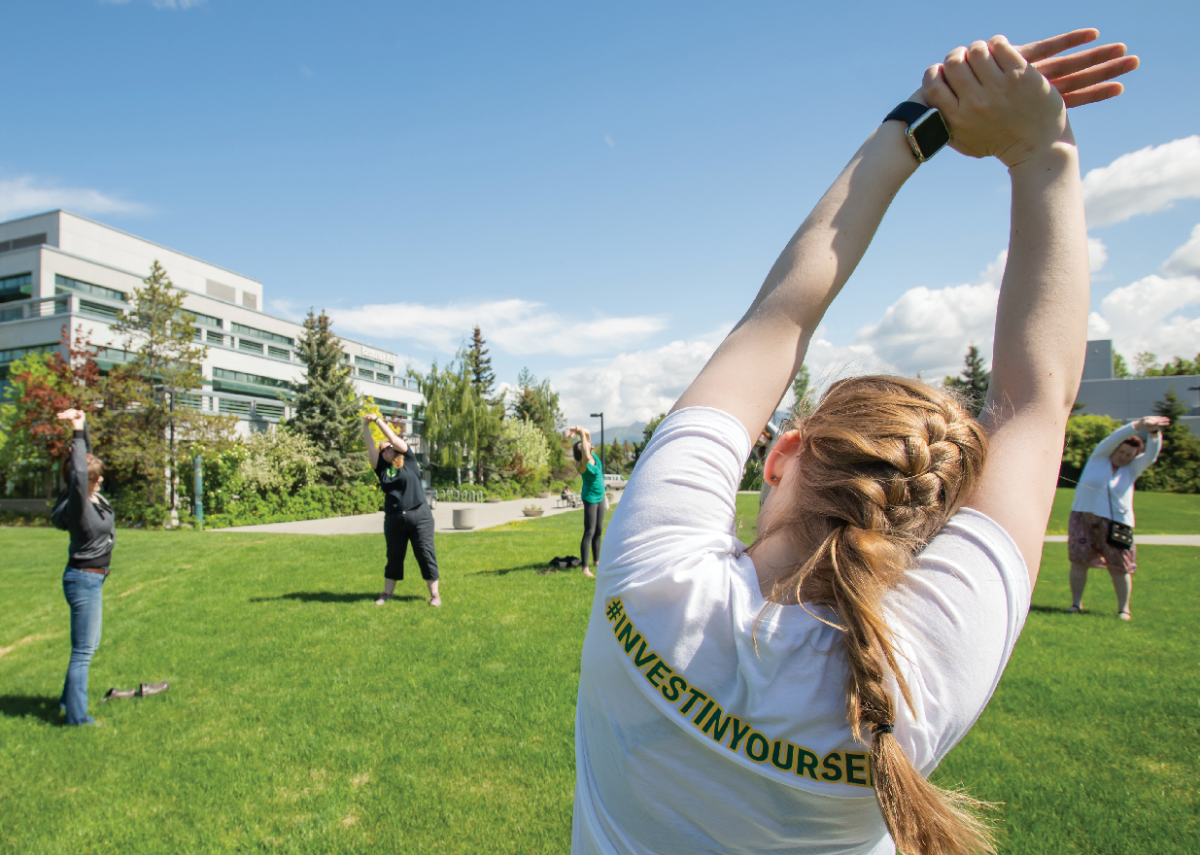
x: 84, y: 593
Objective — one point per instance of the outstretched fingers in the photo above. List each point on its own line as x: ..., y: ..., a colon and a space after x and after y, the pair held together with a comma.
x: 1092, y: 94
x: 1060, y: 66
x: 1039, y: 50
x: 1097, y: 74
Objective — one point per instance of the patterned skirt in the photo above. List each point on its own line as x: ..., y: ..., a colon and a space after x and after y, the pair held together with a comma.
x: 1087, y: 543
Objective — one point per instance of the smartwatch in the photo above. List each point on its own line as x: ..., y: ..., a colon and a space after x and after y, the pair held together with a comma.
x: 927, y: 132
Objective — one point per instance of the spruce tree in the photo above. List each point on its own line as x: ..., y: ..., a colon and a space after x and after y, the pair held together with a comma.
x: 327, y: 408
x: 972, y: 384
x: 480, y: 364
x: 1177, y: 469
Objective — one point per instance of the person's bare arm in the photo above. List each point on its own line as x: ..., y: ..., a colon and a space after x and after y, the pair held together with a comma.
x: 997, y: 104
x: 369, y: 441
x: 397, y: 443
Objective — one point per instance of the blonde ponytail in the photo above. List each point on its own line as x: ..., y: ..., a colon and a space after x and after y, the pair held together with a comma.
x: 884, y: 463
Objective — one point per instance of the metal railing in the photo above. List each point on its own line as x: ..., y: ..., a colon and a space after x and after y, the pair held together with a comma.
x: 450, y: 494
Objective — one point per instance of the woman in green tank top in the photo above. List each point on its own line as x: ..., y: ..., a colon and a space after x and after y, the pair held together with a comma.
x: 587, y: 465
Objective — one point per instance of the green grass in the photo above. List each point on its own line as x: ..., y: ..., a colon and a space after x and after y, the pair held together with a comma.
x: 302, y: 718
x: 1156, y: 513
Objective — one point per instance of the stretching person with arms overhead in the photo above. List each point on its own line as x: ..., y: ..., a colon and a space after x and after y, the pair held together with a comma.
x: 406, y: 514
x: 795, y: 696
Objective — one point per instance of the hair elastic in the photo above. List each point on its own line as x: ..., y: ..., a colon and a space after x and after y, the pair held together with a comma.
x: 881, y: 729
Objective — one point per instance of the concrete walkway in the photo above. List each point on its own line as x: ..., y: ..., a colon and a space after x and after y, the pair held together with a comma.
x: 487, y: 515
x: 1146, y: 539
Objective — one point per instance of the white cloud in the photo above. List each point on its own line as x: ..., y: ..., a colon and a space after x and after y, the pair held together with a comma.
x: 1149, y: 315
x: 1143, y: 182
x: 608, y: 140
x: 633, y: 387
x: 176, y: 4
x: 1097, y: 254
x: 927, y: 330
x: 516, y: 326
x: 26, y: 194
x: 1185, y: 261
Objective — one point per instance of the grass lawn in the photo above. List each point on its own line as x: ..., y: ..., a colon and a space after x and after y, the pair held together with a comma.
x: 1156, y: 513
x: 303, y: 718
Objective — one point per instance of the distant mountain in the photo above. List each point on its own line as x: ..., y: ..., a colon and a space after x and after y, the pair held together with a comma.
x: 635, y: 431
x: 620, y: 433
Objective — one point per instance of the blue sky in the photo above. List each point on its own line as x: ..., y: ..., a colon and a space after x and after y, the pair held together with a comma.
x: 601, y: 186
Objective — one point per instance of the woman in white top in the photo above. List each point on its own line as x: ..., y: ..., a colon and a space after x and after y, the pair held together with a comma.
x: 795, y: 696
x: 1105, y: 495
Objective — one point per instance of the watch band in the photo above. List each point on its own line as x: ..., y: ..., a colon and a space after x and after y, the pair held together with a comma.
x: 907, y: 112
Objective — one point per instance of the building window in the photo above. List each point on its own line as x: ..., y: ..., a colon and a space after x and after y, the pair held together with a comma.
x: 242, y: 329
x: 279, y: 352
x: 19, y: 287
x: 87, y: 288
x: 362, y: 372
x: 206, y: 320
x: 253, y: 346
x: 252, y: 379
x: 371, y: 363
x: 214, y: 337
x: 15, y: 353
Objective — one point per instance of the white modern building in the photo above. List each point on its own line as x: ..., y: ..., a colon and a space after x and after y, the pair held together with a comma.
x: 59, y: 268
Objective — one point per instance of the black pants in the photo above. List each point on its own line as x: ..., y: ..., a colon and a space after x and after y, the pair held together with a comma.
x: 593, y: 531
x: 398, y: 529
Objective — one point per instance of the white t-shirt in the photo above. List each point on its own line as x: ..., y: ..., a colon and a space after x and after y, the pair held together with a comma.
x: 1109, y: 494
x: 689, y: 739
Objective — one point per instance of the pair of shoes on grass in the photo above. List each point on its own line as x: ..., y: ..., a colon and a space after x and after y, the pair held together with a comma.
x: 144, y: 690
x: 383, y: 598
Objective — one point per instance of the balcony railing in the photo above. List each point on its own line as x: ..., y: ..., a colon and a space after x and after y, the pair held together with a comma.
x: 61, y: 304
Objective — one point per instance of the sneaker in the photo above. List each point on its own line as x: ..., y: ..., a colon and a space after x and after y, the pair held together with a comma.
x: 435, y: 601
x: 383, y: 598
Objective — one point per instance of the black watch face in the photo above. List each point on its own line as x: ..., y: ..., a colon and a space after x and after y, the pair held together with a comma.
x: 930, y: 134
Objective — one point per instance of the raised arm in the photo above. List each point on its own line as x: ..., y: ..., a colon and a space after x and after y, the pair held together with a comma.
x: 585, y: 439
x: 78, y: 487
x: 754, y: 366
x: 397, y: 443
x: 369, y: 441
x: 997, y: 104
x: 1154, y: 425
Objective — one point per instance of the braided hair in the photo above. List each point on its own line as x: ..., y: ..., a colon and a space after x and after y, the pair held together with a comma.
x: 884, y: 462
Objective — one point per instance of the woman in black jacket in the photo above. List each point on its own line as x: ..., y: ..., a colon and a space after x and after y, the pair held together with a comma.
x: 407, y: 516
x: 90, y: 522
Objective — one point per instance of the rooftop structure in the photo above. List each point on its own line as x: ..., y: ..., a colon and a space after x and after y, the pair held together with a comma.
x: 1129, y: 398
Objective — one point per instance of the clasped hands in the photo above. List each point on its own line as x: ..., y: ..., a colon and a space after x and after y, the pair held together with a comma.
x: 1011, y: 102
x: 74, y: 416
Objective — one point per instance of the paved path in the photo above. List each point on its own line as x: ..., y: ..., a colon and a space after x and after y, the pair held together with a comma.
x: 490, y: 514
x: 1146, y: 539
x: 487, y: 515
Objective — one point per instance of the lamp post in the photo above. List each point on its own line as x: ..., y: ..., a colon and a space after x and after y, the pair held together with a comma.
x: 601, y: 417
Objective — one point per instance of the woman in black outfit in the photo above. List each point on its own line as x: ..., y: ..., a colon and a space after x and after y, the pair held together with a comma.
x: 406, y: 514
x: 90, y: 522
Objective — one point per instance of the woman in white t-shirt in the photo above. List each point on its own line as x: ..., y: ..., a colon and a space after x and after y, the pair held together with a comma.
x: 795, y: 696
x: 1104, y: 495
